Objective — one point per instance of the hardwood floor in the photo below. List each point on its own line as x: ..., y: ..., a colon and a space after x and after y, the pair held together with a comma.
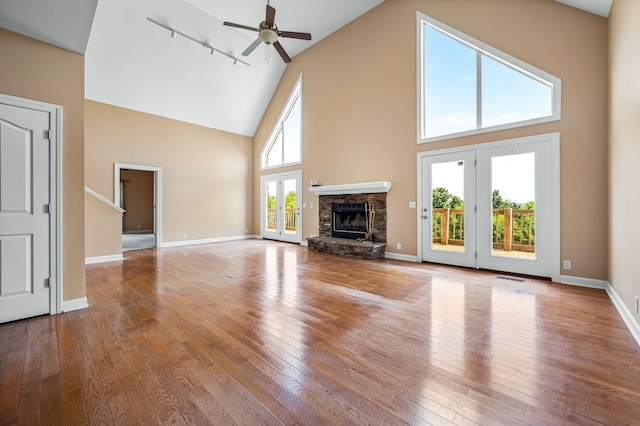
x: 257, y: 332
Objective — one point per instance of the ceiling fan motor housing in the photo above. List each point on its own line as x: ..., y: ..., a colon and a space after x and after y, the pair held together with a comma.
x: 268, y: 35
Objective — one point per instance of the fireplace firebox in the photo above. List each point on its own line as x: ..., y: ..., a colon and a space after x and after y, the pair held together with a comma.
x: 349, y: 220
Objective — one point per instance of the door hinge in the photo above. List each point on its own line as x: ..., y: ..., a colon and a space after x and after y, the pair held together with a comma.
x: 475, y: 255
x: 46, y: 282
x: 47, y: 134
x: 47, y: 208
x: 475, y: 209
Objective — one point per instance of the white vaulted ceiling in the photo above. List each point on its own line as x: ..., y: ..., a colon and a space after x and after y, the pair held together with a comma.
x: 133, y: 63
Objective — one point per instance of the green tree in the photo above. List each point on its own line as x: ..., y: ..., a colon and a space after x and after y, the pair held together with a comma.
x: 496, y: 199
x: 456, y: 202
x: 271, y: 201
x: 290, y: 200
x: 440, y: 197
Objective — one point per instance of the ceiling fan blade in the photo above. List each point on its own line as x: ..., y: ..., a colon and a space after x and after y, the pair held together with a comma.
x: 251, y: 47
x: 291, y: 34
x: 244, y: 27
x: 271, y: 16
x: 281, y: 51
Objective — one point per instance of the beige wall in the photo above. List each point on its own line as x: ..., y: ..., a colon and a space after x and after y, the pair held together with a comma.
x: 359, y: 99
x: 34, y: 70
x: 103, y: 228
x: 624, y: 151
x: 138, y: 199
x: 206, y: 173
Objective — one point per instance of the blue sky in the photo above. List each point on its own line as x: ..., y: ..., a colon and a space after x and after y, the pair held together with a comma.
x: 508, y: 95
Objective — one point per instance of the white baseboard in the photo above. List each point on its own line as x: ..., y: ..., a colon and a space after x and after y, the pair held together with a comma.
x: 100, y: 259
x: 74, y: 304
x: 622, y: 309
x: 624, y: 312
x: 305, y: 243
x: 208, y: 241
x: 404, y: 257
x: 583, y: 282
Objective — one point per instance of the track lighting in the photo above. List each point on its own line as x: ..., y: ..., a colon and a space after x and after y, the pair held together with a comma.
x: 201, y: 43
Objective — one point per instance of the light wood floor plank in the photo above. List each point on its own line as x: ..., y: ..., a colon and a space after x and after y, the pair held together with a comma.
x: 259, y: 332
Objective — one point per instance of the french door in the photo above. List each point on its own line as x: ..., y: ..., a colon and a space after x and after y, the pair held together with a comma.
x: 495, y: 206
x: 449, y: 234
x: 280, y: 217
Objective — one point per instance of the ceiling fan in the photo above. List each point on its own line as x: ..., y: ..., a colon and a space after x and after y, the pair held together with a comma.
x: 268, y: 34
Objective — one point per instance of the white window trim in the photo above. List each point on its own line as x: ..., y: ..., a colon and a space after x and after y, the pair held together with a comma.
x: 423, y: 20
x: 296, y: 93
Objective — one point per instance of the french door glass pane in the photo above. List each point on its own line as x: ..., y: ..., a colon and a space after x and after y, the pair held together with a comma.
x: 272, y: 217
x: 290, y: 204
x: 447, y: 204
x: 513, y: 202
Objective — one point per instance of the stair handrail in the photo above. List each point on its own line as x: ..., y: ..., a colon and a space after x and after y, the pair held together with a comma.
x: 103, y: 199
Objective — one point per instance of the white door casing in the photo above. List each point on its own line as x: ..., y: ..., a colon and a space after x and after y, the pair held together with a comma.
x: 157, y: 194
x: 29, y: 226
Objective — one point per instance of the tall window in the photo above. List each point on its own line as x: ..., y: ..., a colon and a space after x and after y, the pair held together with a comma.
x: 285, y: 142
x: 468, y: 87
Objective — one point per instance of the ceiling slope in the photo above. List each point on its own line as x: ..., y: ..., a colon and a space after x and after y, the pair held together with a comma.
x: 597, y: 7
x: 135, y: 64
x: 63, y: 23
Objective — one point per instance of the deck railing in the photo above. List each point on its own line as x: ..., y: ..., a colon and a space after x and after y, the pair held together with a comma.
x: 513, y: 229
x: 448, y: 226
x: 289, y: 219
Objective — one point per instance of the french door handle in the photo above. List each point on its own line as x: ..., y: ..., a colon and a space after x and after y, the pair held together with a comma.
x: 424, y: 216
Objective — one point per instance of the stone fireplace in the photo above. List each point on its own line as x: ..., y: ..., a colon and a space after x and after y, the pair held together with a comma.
x: 352, y: 220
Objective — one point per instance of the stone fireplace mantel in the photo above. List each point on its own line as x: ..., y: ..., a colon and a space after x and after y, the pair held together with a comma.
x: 351, y: 188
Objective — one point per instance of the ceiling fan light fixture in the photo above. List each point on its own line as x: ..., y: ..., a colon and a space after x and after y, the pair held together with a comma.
x: 268, y: 36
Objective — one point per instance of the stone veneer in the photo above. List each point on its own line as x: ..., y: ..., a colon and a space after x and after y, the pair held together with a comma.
x: 325, y: 243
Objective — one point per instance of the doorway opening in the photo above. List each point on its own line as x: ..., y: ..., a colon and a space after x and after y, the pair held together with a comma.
x: 137, y: 191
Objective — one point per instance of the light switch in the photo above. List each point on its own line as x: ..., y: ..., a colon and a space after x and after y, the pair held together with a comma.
x: 304, y: 205
x: 412, y: 204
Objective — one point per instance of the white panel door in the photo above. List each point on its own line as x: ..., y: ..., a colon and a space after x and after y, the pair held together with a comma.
x: 24, y: 213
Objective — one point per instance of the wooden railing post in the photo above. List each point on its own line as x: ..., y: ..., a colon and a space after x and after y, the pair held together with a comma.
x: 444, y: 227
x: 508, y: 229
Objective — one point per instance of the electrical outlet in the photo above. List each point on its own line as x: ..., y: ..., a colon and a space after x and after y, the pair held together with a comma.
x: 399, y: 246
x: 566, y: 264
x: 184, y: 235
